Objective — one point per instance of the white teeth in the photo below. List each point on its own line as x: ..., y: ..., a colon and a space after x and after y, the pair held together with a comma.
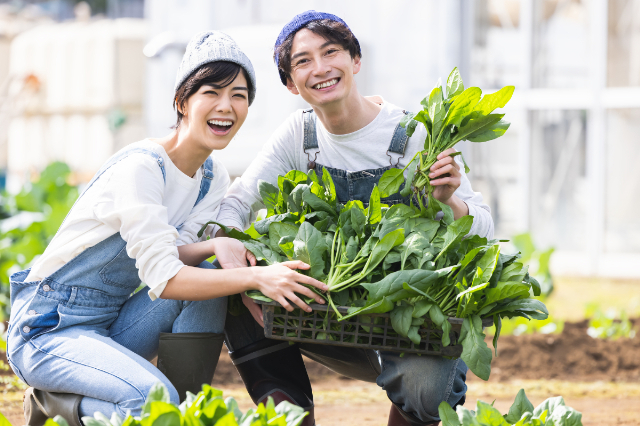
x: 220, y: 123
x: 326, y: 84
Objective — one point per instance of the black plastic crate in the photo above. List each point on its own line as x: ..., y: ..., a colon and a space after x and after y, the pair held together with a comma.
x: 357, y: 331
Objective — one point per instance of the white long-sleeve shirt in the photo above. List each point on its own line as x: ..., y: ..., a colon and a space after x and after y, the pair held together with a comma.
x: 361, y: 150
x: 132, y: 198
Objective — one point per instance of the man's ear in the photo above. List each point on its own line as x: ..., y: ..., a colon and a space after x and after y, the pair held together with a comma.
x: 292, y: 87
x: 357, y: 63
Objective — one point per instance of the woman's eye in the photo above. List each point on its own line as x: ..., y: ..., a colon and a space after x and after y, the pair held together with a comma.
x: 240, y: 95
x: 210, y: 92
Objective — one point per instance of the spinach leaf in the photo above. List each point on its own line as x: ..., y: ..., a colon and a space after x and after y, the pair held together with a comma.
x: 520, y: 406
x: 475, y: 352
x: 309, y: 247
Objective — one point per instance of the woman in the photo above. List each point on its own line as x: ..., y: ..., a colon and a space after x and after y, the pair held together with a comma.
x: 77, y: 335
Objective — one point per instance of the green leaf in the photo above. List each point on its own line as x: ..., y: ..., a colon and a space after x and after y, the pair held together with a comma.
x: 256, y: 295
x: 475, y: 124
x: 415, y: 244
x: 317, y: 204
x: 401, y: 319
x: 228, y: 419
x: 61, y: 421
x: 506, y: 290
x: 520, y: 406
x: 328, y: 185
x: 374, y: 214
x: 358, y: 221
x: 494, y: 100
x: 379, y: 307
x: 414, y: 335
x: 549, y: 405
x: 475, y: 352
x: 455, y: 232
x: 382, y: 247
x: 309, y: 246
x: 421, y: 308
x: 262, y: 226
x: 448, y: 417
x: 497, y: 322
x: 390, y: 182
x: 436, y: 111
x: 269, y: 194
x: 393, y: 282
x: 158, y: 392
x: 262, y: 252
x: 488, y: 415
x: 454, y: 84
x: 490, y: 132
x: 462, y: 106
x: 231, y: 232
x: 412, y: 167
x: 466, y: 167
x: 564, y: 416
x: 277, y: 230
x: 296, y: 176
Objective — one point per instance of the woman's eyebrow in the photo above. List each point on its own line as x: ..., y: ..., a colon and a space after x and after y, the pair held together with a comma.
x: 240, y: 88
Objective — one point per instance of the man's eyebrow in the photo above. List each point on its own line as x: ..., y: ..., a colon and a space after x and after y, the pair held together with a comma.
x: 240, y: 88
x: 306, y: 53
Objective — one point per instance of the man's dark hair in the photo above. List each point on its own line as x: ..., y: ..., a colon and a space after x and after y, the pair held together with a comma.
x: 217, y: 74
x: 328, y: 29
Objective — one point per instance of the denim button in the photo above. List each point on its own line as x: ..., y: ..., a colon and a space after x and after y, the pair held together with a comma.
x: 46, y: 287
x: 26, y: 329
x: 32, y: 312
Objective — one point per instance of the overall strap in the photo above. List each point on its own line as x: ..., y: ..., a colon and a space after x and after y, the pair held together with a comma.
x: 207, y: 177
x: 398, y: 142
x: 114, y: 160
x: 310, y: 140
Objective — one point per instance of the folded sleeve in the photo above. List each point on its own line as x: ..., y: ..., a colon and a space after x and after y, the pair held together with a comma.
x: 482, y: 220
x: 131, y: 203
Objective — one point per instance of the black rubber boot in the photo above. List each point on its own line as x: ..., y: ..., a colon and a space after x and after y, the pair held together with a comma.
x: 275, y: 368
x: 40, y: 405
x: 189, y: 359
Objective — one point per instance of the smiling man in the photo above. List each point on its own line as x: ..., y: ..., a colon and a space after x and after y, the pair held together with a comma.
x: 356, y: 139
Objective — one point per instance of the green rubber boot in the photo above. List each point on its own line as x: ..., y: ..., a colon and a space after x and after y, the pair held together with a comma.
x: 40, y: 405
x: 189, y: 359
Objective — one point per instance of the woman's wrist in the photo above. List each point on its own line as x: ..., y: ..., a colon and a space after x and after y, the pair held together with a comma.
x: 458, y: 206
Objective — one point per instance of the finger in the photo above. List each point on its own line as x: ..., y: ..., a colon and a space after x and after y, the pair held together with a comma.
x: 441, y: 163
x: 441, y: 171
x: 300, y: 289
x: 454, y: 182
x: 446, y: 153
x: 303, y: 279
x: 281, y: 300
x: 299, y: 302
x: 251, y: 258
x: 295, y: 264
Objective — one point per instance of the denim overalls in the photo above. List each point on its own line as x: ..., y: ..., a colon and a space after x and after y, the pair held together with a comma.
x: 81, y: 331
x: 415, y: 384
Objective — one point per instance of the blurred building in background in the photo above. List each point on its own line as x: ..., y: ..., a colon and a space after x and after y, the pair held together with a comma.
x: 77, y: 85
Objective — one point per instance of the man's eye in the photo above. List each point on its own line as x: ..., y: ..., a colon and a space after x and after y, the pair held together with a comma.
x: 301, y: 61
x: 240, y: 95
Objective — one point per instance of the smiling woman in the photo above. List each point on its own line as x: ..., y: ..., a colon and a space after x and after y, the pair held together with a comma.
x: 78, y: 334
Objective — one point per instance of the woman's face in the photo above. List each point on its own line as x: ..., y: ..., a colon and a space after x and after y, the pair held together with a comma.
x: 213, y: 115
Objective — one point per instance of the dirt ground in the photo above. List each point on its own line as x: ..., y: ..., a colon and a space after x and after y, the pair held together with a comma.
x: 599, y: 378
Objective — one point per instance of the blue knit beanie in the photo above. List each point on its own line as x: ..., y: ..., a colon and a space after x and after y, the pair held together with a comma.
x: 213, y: 46
x: 298, y: 22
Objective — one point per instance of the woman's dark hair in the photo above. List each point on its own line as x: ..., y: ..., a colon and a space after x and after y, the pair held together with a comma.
x: 328, y: 29
x: 217, y: 74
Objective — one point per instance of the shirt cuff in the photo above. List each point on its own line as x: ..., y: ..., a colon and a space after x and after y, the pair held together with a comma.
x: 156, y: 290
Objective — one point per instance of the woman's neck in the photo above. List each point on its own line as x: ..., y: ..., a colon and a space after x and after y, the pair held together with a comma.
x: 184, y: 153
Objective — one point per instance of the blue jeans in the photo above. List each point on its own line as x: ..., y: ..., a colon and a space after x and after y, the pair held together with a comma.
x: 416, y: 384
x: 104, y: 359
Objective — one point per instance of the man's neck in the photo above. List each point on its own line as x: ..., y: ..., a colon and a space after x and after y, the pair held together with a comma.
x: 347, y: 116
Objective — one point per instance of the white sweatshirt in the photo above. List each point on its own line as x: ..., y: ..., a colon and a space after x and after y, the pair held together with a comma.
x: 361, y: 150
x: 132, y: 198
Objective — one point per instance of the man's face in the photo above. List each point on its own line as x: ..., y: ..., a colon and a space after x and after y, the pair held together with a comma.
x: 321, y: 71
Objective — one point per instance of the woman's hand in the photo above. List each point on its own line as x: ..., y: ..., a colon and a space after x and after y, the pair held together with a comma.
x: 280, y: 282
x: 232, y: 254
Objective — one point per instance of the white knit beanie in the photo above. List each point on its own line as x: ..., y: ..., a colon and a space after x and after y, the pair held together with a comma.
x: 213, y: 46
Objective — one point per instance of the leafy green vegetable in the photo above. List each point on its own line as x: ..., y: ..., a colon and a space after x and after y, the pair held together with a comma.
x: 552, y: 412
x: 207, y: 408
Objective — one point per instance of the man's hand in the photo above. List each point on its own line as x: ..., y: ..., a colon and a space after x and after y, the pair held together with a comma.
x: 254, y: 309
x: 445, y: 177
x: 232, y: 254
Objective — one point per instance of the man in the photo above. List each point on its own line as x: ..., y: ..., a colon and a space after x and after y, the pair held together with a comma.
x: 357, y: 139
